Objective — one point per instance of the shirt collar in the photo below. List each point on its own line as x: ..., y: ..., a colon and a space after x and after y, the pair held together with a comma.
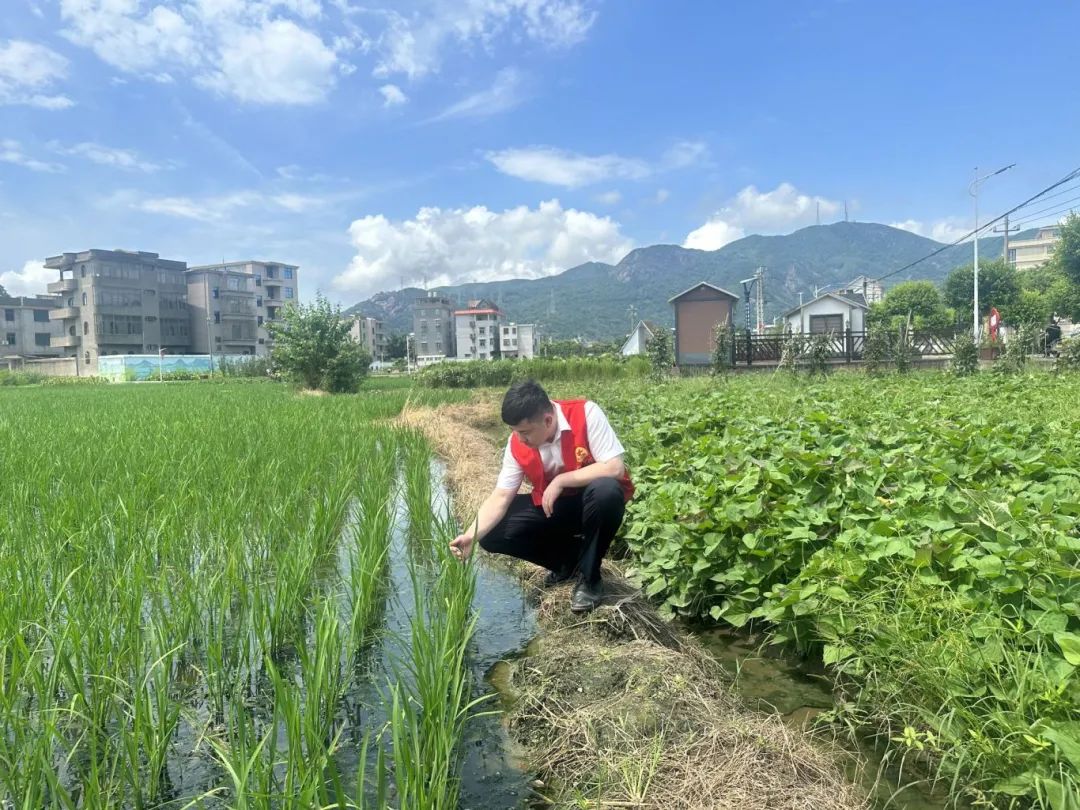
x: 563, y: 425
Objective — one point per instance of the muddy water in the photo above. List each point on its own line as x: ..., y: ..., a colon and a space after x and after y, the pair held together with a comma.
x: 769, y: 680
x: 490, y: 776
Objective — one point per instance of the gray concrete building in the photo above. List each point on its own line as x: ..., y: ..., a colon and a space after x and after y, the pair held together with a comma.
x: 518, y: 340
x: 370, y: 333
x: 119, y: 302
x: 232, y: 303
x: 28, y: 331
x: 433, y: 326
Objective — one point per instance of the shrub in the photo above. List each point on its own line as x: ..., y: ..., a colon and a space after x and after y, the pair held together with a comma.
x: 1068, y: 358
x: 876, y: 350
x: 1017, y: 348
x: 722, y: 343
x: 965, y: 359
x: 313, y: 348
x: 902, y: 351
x: 661, y: 353
x: 790, y: 349
x: 817, y: 354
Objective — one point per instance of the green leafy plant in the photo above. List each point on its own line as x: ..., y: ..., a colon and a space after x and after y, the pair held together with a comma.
x: 818, y: 352
x: 661, y: 354
x: 876, y: 350
x: 723, y: 339
x: 313, y: 347
x: 965, y: 358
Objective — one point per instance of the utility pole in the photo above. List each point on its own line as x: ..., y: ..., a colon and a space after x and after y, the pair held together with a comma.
x: 1006, y: 230
x: 973, y: 190
x: 818, y: 218
x: 632, y: 310
x: 845, y: 211
x: 209, y: 337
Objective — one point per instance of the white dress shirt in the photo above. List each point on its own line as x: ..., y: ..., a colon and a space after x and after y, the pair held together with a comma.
x: 603, y: 444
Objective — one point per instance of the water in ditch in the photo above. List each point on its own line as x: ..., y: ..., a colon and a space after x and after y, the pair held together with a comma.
x: 769, y: 680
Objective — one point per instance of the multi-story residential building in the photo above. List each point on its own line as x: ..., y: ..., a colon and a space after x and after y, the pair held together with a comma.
x: 870, y: 289
x: 370, y: 333
x: 28, y: 331
x: 478, y: 330
x: 1027, y: 254
x: 232, y: 303
x: 119, y: 302
x: 517, y: 340
x: 433, y: 326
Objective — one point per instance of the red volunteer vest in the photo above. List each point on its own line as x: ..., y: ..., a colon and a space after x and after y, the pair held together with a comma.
x: 575, y: 452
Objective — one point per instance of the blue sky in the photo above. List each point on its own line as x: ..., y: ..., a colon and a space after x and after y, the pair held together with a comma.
x: 453, y: 140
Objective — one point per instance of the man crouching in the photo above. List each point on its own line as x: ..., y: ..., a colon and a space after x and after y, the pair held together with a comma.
x: 574, y: 461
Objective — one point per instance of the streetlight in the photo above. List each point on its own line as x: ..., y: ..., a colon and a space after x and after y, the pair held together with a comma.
x: 973, y: 190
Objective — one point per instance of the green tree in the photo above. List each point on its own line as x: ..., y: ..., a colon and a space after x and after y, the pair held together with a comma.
x: 313, y: 348
x: 998, y: 287
x: 920, y: 299
x: 1032, y: 308
x: 1060, y: 293
x: 395, y: 347
x: 1067, y: 250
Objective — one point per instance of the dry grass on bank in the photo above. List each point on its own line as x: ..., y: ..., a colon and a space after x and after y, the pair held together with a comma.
x: 618, y: 709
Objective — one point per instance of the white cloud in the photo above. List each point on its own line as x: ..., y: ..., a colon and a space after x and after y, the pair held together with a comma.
x: 685, y: 154
x: 662, y: 196
x: 558, y: 167
x: 27, y: 74
x: 413, y: 45
x: 504, y: 94
x: 545, y: 164
x: 752, y: 211
x: 12, y: 152
x: 947, y: 230
x: 31, y: 280
x: 221, y: 208
x: 108, y: 156
x: 245, y: 49
x: 277, y: 63
x: 609, y: 198
x: 393, y: 96
x: 476, y: 244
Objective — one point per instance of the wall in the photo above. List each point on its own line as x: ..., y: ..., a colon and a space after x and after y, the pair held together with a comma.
x: 694, y: 325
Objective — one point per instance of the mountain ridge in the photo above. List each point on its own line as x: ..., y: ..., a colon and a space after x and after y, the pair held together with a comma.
x: 593, y: 300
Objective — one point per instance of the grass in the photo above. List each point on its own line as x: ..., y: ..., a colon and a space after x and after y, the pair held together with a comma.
x: 192, y: 575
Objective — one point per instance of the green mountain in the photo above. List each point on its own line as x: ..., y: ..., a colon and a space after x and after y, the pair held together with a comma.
x: 593, y: 300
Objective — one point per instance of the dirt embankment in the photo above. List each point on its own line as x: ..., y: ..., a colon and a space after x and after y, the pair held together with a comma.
x: 620, y: 710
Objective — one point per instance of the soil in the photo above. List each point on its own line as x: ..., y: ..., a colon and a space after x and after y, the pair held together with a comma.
x: 620, y: 709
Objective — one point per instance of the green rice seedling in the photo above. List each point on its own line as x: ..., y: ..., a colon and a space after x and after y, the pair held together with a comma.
x: 417, y: 477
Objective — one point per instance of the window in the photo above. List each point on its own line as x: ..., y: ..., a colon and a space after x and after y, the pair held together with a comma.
x: 438, y: 323
x: 87, y: 357
x: 288, y: 292
x: 82, y: 273
x: 85, y: 328
x: 506, y: 341
x: 10, y: 338
x: 288, y: 273
x: 71, y: 302
x: 438, y: 346
x: 9, y: 314
x: 84, y: 299
x: 270, y: 271
x: 233, y: 283
x: 41, y: 338
x: 258, y: 301
x: 483, y: 343
x: 506, y: 330
x: 215, y: 293
x: 481, y: 330
x: 423, y: 347
x: 217, y: 317
x: 260, y: 320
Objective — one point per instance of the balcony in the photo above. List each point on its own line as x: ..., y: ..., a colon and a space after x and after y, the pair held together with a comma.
x: 63, y: 285
x: 63, y: 313
x: 64, y: 341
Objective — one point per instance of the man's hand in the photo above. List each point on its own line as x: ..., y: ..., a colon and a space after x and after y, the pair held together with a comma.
x: 553, y: 491
x: 461, y: 546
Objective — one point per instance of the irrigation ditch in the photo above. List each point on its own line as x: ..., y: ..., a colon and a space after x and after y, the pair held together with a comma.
x: 622, y: 709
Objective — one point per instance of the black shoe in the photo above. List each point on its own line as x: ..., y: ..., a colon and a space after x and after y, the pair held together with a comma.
x: 558, y: 577
x: 587, y: 597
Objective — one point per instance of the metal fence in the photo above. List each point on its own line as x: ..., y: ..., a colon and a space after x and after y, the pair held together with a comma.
x: 748, y: 349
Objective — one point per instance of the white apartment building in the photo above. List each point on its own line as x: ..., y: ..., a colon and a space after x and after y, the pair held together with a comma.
x: 517, y: 340
x: 1027, y: 254
x: 478, y: 330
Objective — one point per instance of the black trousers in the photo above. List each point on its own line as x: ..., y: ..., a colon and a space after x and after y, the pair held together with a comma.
x: 578, y: 533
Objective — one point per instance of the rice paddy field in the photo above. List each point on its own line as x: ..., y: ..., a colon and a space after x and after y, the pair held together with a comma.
x: 229, y: 596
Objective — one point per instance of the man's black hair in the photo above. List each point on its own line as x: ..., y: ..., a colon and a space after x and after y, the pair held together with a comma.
x: 525, y: 400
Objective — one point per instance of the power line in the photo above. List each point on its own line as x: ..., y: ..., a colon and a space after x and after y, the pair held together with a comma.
x: 1064, y: 191
x: 1073, y: 175
x: 1061, y: 205
x: 1066, y: 179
